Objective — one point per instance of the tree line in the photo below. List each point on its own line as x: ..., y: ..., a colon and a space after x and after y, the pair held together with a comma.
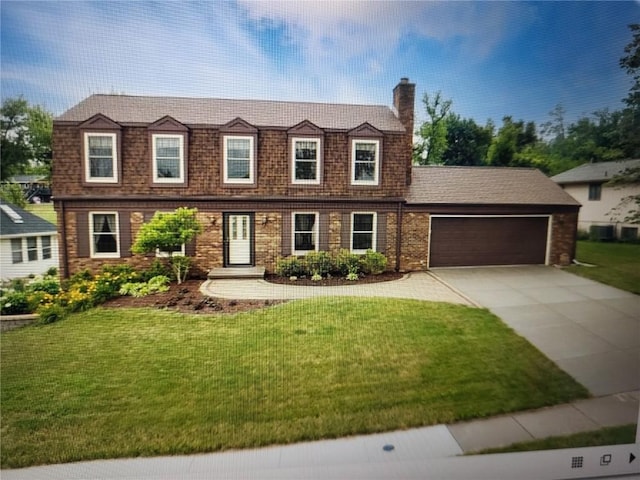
x: 446, y: 138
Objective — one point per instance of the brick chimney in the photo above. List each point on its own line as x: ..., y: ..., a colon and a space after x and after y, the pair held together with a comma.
x: 403, y: 101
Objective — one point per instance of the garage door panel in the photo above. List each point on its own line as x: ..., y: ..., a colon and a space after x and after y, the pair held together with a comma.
x: 468, y: 241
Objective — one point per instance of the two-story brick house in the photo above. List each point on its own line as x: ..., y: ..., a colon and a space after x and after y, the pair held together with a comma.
x: 271, y: 179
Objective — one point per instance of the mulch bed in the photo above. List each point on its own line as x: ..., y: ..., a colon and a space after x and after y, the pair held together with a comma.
x: 187, y: 297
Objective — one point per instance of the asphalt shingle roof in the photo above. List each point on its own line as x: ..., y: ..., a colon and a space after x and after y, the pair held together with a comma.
x: 212, y: 111
x: 484, y: 185
x: 595, y: 172
x: 31, y: 223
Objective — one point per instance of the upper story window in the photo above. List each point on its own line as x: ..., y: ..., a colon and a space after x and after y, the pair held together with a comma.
x: 239, y: 161
x: 365, y: 162
x: 101, y: 157
x: 105, y: 238
x: 305, y: 232
x: 168, y: 158
x: 363, y: 228
x: 595, y: 191
x: 306, y: 160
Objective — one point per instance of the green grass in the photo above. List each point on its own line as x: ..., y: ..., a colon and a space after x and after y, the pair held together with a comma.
x: 605, y: 436
x: 130, y: 382
x: 43, y: 210
x: 617, y: 264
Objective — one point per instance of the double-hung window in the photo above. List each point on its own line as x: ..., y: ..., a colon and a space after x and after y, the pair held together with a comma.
x: 305, y: 232
x: 363, y: 232
x: 46, y: 247
x: 101, y: 157
x: 32, y: 248
x: 105, y: 242
x: 306, y: 160
x: 168, y: 158
x: 595, y: 191
x: 16, y: 250
x: 239, y: 162
x: 365, y: 162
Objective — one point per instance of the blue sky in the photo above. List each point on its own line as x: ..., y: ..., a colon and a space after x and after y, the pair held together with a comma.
x: 491, y: 58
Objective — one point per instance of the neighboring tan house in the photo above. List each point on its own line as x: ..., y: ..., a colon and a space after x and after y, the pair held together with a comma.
x: 272, y: 179
x: 602, y: 205
x: 28, y: 243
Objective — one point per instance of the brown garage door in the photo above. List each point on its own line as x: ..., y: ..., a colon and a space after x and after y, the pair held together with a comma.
x: 468, y: 241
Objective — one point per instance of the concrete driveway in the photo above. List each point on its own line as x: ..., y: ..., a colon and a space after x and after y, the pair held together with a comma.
x: 591, y: 330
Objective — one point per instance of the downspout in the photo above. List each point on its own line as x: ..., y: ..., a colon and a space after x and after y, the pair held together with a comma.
x: 63, y: 241
x: 398, y: 235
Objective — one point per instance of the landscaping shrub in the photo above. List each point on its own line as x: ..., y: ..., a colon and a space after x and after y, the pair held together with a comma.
x: 373, y: 263
x: 15, y: 303
x: 318, y: 263
x: 50, y: 313
x: 291, y: 267
x: 46, y: 284
x: 156, y: 284
x: 348, y: 264
x: 158, y: 267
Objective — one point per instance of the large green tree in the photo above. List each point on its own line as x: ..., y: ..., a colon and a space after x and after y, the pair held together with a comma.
x: 168, y: 232
x: 25, y: 135
x: 433, y: 132
x: 467, y: 142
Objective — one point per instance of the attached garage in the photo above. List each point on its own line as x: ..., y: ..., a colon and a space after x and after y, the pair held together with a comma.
x: 477, y: 216
x: 488, y: 240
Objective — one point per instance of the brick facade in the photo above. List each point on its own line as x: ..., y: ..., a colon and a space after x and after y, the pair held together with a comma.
x: 402, y: 230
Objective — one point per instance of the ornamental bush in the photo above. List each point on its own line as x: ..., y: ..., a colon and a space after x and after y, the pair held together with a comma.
x: 319, y: 263
x: 373, y: 263
x: 291, y: 267
x: 348, y: 263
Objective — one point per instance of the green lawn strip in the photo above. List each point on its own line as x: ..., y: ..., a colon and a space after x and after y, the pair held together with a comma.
x: 605, y: 436
x: 616, y: 264
x: 43, y: 210
x: 111, y: 383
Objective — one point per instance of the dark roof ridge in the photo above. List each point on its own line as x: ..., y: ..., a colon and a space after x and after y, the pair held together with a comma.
x: 484, y: 167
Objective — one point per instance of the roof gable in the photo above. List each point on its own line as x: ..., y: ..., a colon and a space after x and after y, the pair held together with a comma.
x: 167, y: 124
x: 238, y: 125
x: 305, y: 128
x: 365, y: 130
x: 100, y: 122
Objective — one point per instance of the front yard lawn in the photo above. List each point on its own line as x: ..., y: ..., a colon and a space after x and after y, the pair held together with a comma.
x: 111, y: 383
x: 616, y: 264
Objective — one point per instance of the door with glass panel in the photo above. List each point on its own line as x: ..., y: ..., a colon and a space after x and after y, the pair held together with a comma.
x: 238, y: 236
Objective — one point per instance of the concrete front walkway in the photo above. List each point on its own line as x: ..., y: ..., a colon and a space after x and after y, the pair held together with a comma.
x: 416, y: 285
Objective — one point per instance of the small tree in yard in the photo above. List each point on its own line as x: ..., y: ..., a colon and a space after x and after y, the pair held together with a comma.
x: 167, y: 232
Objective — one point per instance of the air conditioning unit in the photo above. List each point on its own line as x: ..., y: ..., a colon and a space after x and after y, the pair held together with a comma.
x: 629, y: 234
x: 602, y: 233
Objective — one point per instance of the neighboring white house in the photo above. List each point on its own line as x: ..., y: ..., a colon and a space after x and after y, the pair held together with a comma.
x: 601, y: 203
x: 28, y: 243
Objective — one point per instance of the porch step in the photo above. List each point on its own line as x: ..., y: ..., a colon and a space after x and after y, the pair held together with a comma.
x: 236, y: 272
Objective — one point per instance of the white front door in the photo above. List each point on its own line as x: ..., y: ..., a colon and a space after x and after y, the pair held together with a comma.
x: 239, y: 231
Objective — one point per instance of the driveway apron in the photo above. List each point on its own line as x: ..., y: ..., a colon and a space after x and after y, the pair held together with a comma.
x: 591, y: 330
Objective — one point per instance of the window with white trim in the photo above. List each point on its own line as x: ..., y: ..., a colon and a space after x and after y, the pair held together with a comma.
x: 46, y: 247
x: 32, y: 248
x: 168, y: 158
x: 306, y: 161
x: 304, y: 232
x: 105, y: 238
x: 363, y: 232
x: 239, y: 162
x: 101, y: 157
x: 16, y: 250
x: 178, y: 252
x: 365, y: 162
